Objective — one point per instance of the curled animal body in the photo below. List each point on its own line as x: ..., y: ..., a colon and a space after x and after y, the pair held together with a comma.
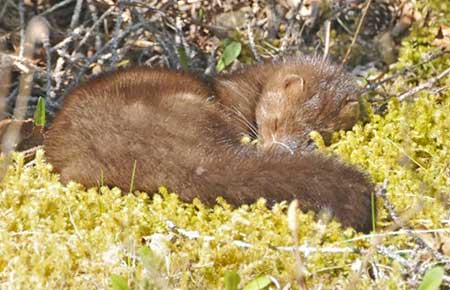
x: 165, y: 124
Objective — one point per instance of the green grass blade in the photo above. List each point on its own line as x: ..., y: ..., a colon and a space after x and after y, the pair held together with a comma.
x: 39, y: 113
x: 432, y: 279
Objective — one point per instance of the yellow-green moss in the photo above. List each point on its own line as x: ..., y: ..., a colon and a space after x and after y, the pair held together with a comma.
x: 55, y: 236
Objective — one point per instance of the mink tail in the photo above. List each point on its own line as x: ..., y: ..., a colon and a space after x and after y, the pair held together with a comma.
x: 318, y: 182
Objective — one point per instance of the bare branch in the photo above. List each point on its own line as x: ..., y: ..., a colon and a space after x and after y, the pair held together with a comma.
x: 251, y: 40
x: 327, y: 28
x: 358, y: 29
x: 56, y: 7
x: 37, y: 31
x: 427, y: 85
x: 404, y: 70
x: 76, y: 14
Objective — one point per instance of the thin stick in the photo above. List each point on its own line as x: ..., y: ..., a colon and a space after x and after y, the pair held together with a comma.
x: 36, y: 31
x: 94, y: 27
x: 404, y: 70
x: 93, y: 58
x: 304, y: 249
x: 355, y: 277
x: 409, y: 231
x: 76, y: 14
x: 290, y: 27
x: 117, y: 29
x: 56, y: 7
x: 393, y: 233
x: 93, y: 10
x: 211, y: 61
x: 251, y: 40
x: 427, y: 85
x: 300, y: 263
x: 48, y: 89
x: 5, y: 81
x: 327, y: 28
x: 22, y: 28
x: 358, y: 29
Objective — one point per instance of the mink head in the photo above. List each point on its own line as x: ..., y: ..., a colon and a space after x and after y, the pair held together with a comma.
x: 301, y: 97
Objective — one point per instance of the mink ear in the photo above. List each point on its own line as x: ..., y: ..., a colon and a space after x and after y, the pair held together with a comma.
x: 293, y: 79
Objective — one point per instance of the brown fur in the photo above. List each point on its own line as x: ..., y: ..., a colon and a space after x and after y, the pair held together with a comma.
x: 284, y: 102
x: 163, y: 120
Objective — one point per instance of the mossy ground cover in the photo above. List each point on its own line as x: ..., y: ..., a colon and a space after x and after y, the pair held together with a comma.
x: 55, y: 236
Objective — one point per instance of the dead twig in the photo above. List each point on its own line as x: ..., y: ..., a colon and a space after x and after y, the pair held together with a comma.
x: 36, y: 31
x: 115, y: 39
x: 22, y: 28
x: 76, y: 14
x: 427, y: 85
x: 355, y: 277
x: 56, y: 7
x: 93, y: 10
x: 327, y: 28
x: 290, y: 27
x: 5, y: 80
x: 358, y: 29
x: 299, y: 261
x: 404, y: 70
x: 251, y: 40
x: 393, y: 213
x: 109, y: 44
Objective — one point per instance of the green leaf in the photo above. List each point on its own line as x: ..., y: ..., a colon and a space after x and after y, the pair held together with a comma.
x: 200, y: 14
x: 220, y: 65
x: 145, y: 252
x: 230, y: 53
x: 39, y: 113
x: 432, y: 279
x: 149, y: 259
x: 232, y: 280
x: 184, y: 60
x: 224, y: 43
x: 118, y: 282
x: 259, y: 283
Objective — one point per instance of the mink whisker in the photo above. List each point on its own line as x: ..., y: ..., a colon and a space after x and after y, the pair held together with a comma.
x: 274, y: 141
x: 249, y: 124
x: 238, y: 116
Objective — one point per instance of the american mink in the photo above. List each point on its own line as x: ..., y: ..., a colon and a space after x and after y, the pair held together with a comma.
x: 281, y: 103
x: 164, y: 122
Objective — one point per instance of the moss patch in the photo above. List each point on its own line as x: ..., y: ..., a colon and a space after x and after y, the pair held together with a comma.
x: 55, y: 236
